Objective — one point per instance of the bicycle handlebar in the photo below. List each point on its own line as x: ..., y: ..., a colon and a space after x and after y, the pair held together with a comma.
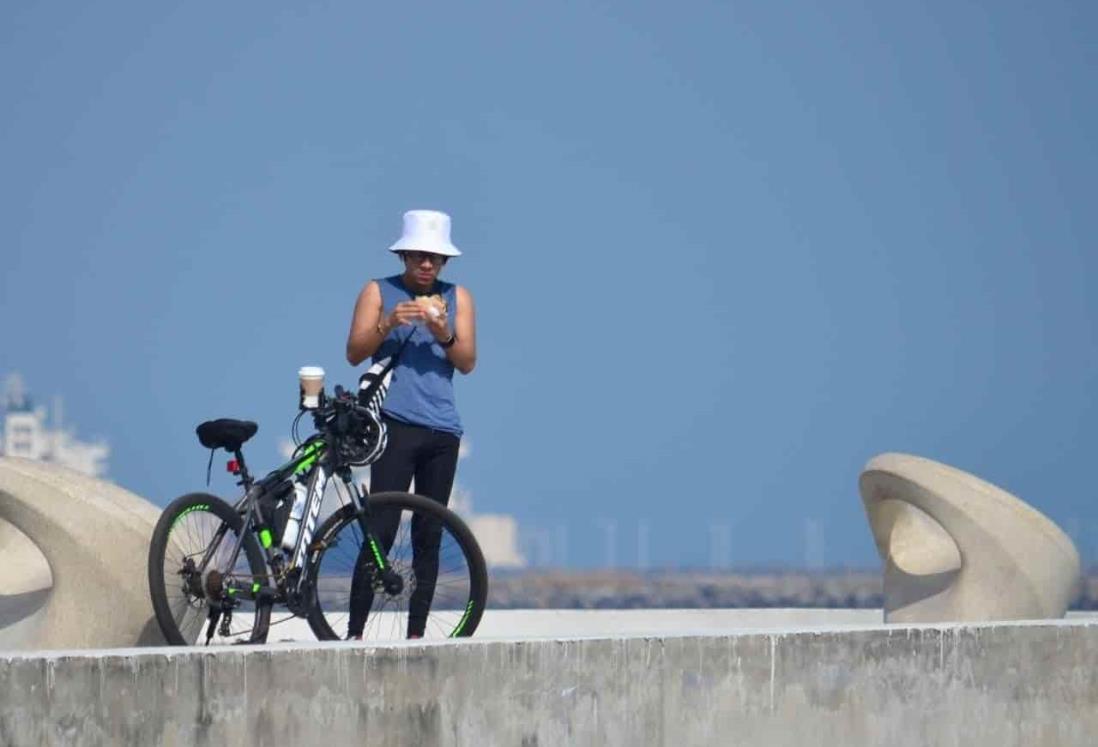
x: 327, y: 415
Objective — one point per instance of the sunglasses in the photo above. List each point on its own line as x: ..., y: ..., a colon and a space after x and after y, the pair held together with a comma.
x: 418, y: 257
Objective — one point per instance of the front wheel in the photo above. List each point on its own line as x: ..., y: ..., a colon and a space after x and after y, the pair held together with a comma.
x: 443, y: 581
x: 188, y: 557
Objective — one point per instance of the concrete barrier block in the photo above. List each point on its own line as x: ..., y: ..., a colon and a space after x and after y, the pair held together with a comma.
x: 957, y: 548
x: 78, y: 550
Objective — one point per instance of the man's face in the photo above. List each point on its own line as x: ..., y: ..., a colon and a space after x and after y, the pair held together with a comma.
x: 423, y: 267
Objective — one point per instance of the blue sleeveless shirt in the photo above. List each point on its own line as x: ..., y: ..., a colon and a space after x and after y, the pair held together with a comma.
x: 422, y: 389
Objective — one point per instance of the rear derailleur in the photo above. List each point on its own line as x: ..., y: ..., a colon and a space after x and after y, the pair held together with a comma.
x: 221, y: 604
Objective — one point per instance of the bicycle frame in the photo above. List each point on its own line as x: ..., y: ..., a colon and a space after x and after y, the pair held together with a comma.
x: 318, y: 462
x: 321, y: 462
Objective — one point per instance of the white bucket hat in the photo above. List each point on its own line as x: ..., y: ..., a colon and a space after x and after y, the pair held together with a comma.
x: 426, y: 231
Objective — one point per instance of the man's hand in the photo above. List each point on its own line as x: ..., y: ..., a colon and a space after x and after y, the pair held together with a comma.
x: 439, y: 326
x: 406, y: 312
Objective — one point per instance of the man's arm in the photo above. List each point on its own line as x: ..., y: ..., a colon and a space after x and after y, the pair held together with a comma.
x: 365, y: 337
x: 463, y: 353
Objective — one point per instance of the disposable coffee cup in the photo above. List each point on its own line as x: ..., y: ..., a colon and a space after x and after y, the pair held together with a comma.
x: 311, y: 379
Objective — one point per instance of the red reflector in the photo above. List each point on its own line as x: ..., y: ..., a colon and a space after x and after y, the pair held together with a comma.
x: 233, y: 466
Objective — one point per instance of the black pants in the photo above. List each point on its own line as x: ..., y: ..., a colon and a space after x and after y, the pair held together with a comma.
x: 431, y: 458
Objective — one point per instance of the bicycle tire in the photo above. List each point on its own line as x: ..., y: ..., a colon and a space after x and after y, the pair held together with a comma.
x: 193, y: 519
x: 462, y: 578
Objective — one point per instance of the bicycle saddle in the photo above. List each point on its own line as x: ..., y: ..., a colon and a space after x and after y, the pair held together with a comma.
x: 225, y: 433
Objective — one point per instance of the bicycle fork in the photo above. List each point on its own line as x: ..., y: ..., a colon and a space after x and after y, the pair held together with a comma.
x: 299, y: 584
x: 391, y: 581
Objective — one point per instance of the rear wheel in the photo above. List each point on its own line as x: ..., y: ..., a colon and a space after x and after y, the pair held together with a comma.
x: 194, y: 529
x: 443, y: 581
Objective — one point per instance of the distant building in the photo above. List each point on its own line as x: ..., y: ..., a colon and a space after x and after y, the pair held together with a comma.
x: 497, y: 534
x: 27, y: 434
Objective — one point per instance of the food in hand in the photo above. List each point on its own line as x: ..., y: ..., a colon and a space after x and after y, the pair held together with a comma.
x: 434, y: 306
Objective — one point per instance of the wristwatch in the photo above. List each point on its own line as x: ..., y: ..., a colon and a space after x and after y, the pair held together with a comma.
x: 450, y: 342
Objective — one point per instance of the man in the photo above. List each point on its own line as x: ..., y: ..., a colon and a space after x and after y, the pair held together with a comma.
x: 420, y: 413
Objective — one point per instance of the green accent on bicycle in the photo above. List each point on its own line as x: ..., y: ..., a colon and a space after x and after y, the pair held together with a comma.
x: 377, y: 555
x: 233, y: 591
x: 265, y: 538
x: 255, y: 587
x: 464, y: 619
x: 309, y: 457
x: 199, y: 507
x: 294, y: 463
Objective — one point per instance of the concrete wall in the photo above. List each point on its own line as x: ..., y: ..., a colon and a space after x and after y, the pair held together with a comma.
x: 1010, y: 684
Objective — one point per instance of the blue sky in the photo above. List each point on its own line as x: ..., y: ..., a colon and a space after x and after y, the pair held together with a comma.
x: 723, y: 253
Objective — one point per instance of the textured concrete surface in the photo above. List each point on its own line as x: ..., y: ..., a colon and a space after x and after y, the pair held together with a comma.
x: 1003, y: 684
x: 25, y: 567
x: 75, y: 553
x: 957, y: 548
x: 528, y: 625
x: 515, y: 625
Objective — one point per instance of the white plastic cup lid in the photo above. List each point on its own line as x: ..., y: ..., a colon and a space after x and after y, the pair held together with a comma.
x: 311, y: 372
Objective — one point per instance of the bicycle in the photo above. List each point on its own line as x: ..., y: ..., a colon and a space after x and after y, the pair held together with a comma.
x: 395, y: 564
